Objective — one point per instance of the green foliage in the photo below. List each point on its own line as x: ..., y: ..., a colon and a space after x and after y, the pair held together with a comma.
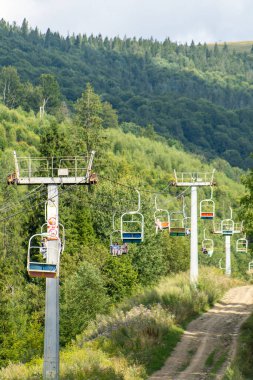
x: 241, y: 368
x: 135, y: 339
x: 120, y: 277
x: 199, y: 95
x: 10, y: 87
x: 138, y: 158
x: 50, y: 92
x: 83, y: 295
x: 246, y: 202
x: 88, y: 117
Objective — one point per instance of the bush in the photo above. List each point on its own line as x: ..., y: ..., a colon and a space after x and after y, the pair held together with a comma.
x: 83, y: 296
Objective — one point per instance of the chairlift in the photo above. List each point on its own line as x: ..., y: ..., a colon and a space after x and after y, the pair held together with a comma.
x: 207, y: 245
x: 187, y: 225
x: 116, y: 249
x: 35, y: 266
x: 177, y: 227
x: 238, y: 227
x: 227, y: 227
x: 132, y: 225
x: 242, y: 245
x: 207, y: 208
x: 250, y: 268
x: 187, y: 219
x: 61, y: 233
x: 162, y: 218
x: 217, y: 228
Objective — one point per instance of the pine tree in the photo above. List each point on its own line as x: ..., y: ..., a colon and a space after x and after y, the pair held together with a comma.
x: 88, y: 118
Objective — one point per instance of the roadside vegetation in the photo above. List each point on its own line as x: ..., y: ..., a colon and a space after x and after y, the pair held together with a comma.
x: 242, y: 368
x: 134, y: 339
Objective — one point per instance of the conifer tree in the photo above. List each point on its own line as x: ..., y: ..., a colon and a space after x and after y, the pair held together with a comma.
x: 88, y: 118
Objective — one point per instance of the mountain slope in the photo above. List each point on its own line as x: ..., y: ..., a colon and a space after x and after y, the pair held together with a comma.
x: 198, y: 95
x: 126, y: 162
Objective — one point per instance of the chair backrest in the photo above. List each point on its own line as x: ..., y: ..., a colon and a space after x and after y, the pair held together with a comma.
x: 132, y: 227
x: 242, y: 245
x: 207, y: 209
x: 227, y: 227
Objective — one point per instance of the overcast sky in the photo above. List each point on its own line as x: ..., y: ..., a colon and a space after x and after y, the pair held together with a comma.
x: 180, y: 20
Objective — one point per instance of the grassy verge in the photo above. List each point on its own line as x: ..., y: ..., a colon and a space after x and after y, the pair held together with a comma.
x: 137, y: 337
x: 242, y: 368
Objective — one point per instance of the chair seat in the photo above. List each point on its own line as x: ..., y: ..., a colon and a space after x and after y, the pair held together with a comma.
x: 227, y: 232
x: 180, y: 231
x: 137, y: 241
x: 42, y: 270
x: 129, y: 235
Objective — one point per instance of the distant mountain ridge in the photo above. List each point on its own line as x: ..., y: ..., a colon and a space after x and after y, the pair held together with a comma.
x: 198, y: 94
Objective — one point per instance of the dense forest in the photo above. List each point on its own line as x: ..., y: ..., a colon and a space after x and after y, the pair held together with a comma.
x: 128, y: 157
x: 199, y: 95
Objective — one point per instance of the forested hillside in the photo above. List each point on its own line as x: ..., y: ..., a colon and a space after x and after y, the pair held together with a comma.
x: 127, y: 158
x: 199, y: 95
x: 142, y: 105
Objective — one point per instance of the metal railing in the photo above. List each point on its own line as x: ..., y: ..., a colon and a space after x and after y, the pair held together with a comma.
x: 51, y: 167
x: 192, y: 177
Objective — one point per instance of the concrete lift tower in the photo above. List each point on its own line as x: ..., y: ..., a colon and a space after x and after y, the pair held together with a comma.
x: 52, y: 172
x: 193, y: 180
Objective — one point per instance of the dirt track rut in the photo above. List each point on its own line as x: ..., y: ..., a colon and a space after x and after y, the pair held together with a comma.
x: 209, y: 343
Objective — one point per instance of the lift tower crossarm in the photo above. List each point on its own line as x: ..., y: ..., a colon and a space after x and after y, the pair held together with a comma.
x: 53, y: 171
x: 188, y: 179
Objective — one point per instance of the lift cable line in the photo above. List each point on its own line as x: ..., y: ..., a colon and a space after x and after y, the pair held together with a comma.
x: 43, y: 202
x: 29, y: 195
x: 27, y: 210
x: 43, y: 192
x: 51, y: 172
x: 141, y: 190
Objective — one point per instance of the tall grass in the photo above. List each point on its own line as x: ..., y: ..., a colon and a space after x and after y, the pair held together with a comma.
x: 138, y: 336
x: 242, y: 367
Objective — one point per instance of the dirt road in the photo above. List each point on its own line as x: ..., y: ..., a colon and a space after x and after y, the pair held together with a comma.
x: 209, y: 343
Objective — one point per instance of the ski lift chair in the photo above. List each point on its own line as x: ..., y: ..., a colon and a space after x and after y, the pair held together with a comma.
x: 217, y: 228
x: 177, y: 227
x: 238, y: 227
x: 227, y: 227
x: 115, y: 248
x: 35, y: 266
x: 162, y: 219
x: 250, y: 268
x: 242, y: 245
x: 187, y: 225
x: 61, y: 233
x: 132, y: 225
x: 207, y: 208
x: 207, y: 245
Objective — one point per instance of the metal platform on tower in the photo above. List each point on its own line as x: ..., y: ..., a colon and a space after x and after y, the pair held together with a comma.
x: 53, y: 171
x: 187, y: 179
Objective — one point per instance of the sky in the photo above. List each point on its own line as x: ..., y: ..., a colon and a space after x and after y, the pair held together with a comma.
x: 180, y: 20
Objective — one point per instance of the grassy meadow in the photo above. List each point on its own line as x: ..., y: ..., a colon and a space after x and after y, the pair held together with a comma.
x: 135, y: 338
